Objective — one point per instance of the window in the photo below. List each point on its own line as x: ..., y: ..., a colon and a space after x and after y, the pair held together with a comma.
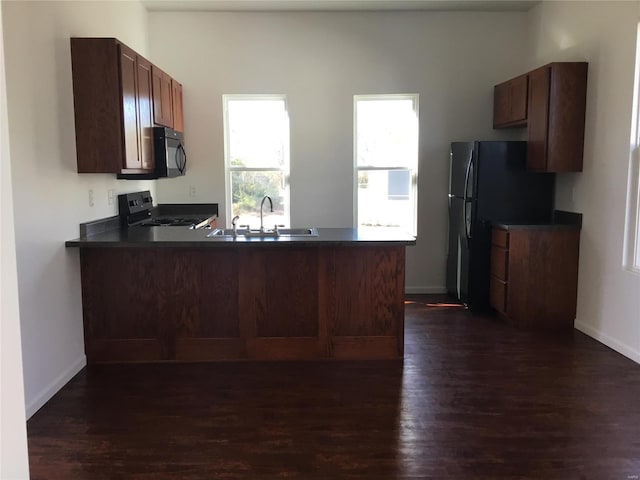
x: 386, y: 160
x: 256, y: 145
x: 632, y: 236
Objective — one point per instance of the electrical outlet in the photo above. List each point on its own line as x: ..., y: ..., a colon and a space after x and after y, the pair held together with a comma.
x: 91, y: 202
x: 192, y: 190
x: 110, y: 194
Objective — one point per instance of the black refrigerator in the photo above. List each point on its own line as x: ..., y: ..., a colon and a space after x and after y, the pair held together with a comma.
x: 488, y: 183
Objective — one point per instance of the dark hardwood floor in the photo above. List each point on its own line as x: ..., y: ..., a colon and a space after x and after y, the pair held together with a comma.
x: 474, y: 399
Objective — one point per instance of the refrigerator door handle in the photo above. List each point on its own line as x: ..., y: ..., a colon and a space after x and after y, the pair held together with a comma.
x: 466, y: 223
x: 466, y: 199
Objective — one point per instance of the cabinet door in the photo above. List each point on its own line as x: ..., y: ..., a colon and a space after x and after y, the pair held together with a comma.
x: 97, y: 105
x: 129, y: 107
x: 167, y: 100
x: 510, y: 103
x: 543, y: 277
x: 145, y: 113
x: 162, y: 98
x: 538, y: 124
x: 519, y: 92
x: 178, y: 122
x: 567, y: 106
x: 501, y: 109
x: 156, y: 75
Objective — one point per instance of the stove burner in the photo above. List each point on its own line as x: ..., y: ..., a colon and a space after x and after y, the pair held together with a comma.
x: 171, y: 222
x: 137, y: 210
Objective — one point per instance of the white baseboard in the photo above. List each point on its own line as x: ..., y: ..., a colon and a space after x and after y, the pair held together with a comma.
x: 415, y: 290
x: 45, y: 395
x: 610, y: 342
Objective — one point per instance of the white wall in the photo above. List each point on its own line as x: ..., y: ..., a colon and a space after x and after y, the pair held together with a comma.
x: 320, y: 60
x: 14, y: 463
x: 50, y: 199
x: 603, y: 34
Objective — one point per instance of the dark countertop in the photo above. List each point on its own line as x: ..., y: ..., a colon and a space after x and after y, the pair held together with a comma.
x: 562, y: 220
x: 547, y: 226
x: 184, y: 237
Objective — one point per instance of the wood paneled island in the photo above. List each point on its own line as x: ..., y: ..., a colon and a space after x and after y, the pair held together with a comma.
x: 159, y: 295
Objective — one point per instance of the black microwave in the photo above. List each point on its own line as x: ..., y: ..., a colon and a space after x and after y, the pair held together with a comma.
x: 168, y: 152
x: 169, y: 156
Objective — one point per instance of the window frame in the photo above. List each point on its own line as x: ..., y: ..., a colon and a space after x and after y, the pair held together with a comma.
x: 631, y: 250
x: 229, y: 169
x: 413, y: 169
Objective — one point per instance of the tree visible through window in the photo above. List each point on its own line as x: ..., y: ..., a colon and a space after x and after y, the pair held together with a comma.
x: 386, y: 160
x: 257, y: 158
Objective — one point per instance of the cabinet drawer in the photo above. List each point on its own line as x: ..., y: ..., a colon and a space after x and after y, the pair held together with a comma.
x: 498, y: 294
x: 499, y: 262
x: 500, y: 237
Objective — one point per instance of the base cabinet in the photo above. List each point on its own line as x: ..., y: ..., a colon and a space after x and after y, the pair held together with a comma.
x: 534, y: 276
x: 212, y: 304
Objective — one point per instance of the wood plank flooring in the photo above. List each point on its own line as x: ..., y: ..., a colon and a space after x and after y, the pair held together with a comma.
x: 474, y: 399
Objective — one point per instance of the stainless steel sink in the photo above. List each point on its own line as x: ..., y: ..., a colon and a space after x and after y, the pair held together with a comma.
x: 298, y: 232
x: 282, y: 232
x: 221, y: 232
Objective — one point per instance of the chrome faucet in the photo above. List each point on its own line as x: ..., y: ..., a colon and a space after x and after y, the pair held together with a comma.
x: 262, y: 208
x: 234, y: 224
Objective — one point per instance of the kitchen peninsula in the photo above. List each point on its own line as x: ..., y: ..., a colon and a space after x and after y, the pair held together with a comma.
x: 174, y: 294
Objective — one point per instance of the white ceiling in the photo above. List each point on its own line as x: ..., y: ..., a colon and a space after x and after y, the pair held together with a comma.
x: 338, y: 5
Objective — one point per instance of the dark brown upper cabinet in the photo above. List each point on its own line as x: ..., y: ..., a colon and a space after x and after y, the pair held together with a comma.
x: 557, y: 105
x: 178, y: 120
x: 510, y: 103
x: 112, y: 95
x: 162, y: 98
x: 555, y: 116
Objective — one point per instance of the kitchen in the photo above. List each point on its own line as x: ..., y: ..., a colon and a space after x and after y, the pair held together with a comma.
x: 298, y: 54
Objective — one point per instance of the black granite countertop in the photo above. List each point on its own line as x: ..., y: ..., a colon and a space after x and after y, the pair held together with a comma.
x: 544, y: 226
x: 561, y: 220
x: 184, y: 237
